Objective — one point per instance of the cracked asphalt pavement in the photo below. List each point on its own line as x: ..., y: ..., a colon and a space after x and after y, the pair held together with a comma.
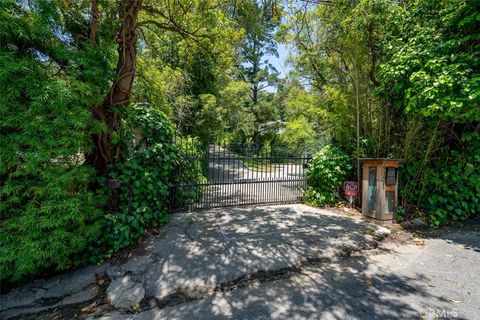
x: 274, y: 262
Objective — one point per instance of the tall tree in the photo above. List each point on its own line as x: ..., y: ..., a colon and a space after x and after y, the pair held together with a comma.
x: 188, y: 19
x: 337, y: 45
x: 259, y: 20
x: 202, y: 64
x: 104, y: 152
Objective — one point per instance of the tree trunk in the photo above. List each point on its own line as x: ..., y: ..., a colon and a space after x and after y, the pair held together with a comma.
x: 105, y: 154
x: 92, y: 33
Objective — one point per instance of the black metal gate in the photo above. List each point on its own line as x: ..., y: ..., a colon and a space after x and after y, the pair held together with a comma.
x: 232, y: 175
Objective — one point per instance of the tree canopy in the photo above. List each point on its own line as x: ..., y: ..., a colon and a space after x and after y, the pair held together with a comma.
x: 81, y: 81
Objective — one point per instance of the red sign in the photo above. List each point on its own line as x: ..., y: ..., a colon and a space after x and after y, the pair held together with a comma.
x: 350, y: 188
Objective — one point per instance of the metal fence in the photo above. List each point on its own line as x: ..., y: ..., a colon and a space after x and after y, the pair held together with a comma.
x: 233, y: 175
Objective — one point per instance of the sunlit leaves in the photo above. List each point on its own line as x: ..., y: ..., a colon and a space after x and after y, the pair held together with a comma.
x: 47, y: 88
x: 435, y: 61
x: 327, y: 171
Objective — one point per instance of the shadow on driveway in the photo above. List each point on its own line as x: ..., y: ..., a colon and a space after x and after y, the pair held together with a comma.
x: 276, y: 263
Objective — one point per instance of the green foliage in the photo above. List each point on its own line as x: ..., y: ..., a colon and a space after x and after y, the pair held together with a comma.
x: 189, y: 53
x: 212, y: 120
x: 151, y: 162
x: 259, y: 20
x: 326, y: 172
x: 298, y: 137
x: 303, y: 116
x: 239, y: 121
x: 337, y: 52
x: 431, y: 73
x: 48, y: 214
x: 413, y: 71
x: 188, y: 171
x: 449, y: 190
x: 432, y: 69
x: 143, y: 175
x: 226, y: 116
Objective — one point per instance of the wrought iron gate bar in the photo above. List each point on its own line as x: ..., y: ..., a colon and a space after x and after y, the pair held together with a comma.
x: 247, y: 158
x: 222, y: 176
x: 236, y: 182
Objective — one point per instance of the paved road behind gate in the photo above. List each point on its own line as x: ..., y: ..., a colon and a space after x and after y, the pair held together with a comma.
x: 231, y: 182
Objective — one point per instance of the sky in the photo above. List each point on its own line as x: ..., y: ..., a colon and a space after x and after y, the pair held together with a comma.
x: 279, y: 63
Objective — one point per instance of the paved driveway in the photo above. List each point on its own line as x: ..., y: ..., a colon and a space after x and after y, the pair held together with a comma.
x: 275, y: 262
x: 437, y: 280
x: 434, y: 277
x: 202, y: 253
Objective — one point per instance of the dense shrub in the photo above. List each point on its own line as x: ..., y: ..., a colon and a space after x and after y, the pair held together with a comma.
x: 448, y: 189
x: 430, y: 72
x: 298, y: 137
x: 189, y: 172
x: 326, y: 173
x: 152, y: 161
x: 47, y: 214
x: 143, y: 176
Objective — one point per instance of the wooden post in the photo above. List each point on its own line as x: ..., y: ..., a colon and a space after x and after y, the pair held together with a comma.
x: 365, y: 189
x: 395, y: 203
x: 380, y: 205
x: 357, y: 102
x: 381, y: 187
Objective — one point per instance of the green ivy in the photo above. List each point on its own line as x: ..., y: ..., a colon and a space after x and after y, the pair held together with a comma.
x: 143, y: 176
x: 326, y: 172
x: 430, y: 71
x: 449, y: 188
x: 431, y: 63
x: 189, y: 170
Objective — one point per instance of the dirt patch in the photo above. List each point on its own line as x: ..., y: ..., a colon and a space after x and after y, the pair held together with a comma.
x: 470, y: 225
x: 399, y: 235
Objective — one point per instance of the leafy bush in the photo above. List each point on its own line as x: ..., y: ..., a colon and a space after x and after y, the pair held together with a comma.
x: 188, y: 172
x: 326, y: 173
x: 50, y: 219
x: 431, y: 72
x: 147, y: 139
x: 299, y: 137
x: 47, y: 213
x: 437, y: 45
x: 448, y: 189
